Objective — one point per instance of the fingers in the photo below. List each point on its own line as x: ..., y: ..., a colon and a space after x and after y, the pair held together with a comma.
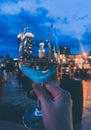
x: 53, y: 93
x: 54, y: 89
x: 41, y: 93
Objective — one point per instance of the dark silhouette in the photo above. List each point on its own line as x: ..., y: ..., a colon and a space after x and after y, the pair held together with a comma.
x: 9, y: 67
x: 74, y: 86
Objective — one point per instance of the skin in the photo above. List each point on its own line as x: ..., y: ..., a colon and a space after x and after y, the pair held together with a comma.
x: 56, y: 106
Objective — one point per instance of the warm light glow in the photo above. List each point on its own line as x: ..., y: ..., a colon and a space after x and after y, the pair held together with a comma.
x: 84, y: 54
x: 20, y: 35
x: 28, y: 35
x: 23, y: 36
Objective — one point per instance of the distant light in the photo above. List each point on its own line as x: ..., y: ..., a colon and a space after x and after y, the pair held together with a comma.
x: 89, y: 57
x: 20, y: 35
x: 84, y: 54
x: 41, y: 44
x: 15, y: 59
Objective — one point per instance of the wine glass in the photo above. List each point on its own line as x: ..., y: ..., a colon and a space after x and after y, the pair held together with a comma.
x: 38, y: 59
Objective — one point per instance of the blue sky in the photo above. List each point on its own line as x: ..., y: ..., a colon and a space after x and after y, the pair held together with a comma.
x: 72, y: 18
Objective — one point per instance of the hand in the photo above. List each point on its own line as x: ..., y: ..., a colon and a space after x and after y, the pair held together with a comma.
x: 56, y: 106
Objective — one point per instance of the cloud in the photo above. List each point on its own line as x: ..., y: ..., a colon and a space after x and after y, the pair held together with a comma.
x: 38, y: 1
x: 11, y: 25
x: 65, y: 20
x: 71, y: 18
x: 9, y: 1
x: 25, y: 18
x: 87, y: 37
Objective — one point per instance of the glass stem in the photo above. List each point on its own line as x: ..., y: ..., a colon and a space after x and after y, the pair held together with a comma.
x: 38, y: 102
x: 38, y: 111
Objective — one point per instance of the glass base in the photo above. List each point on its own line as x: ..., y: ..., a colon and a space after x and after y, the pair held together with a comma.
x: 32, y: 119
x: 38, y: 112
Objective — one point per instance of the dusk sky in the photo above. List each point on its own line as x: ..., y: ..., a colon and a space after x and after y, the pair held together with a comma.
x: 72, y: 18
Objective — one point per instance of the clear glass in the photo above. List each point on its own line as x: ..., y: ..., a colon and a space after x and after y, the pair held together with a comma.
x: 38, y: 59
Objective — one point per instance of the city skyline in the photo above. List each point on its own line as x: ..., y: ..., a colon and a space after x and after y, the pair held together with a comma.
x: 72, y: 19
